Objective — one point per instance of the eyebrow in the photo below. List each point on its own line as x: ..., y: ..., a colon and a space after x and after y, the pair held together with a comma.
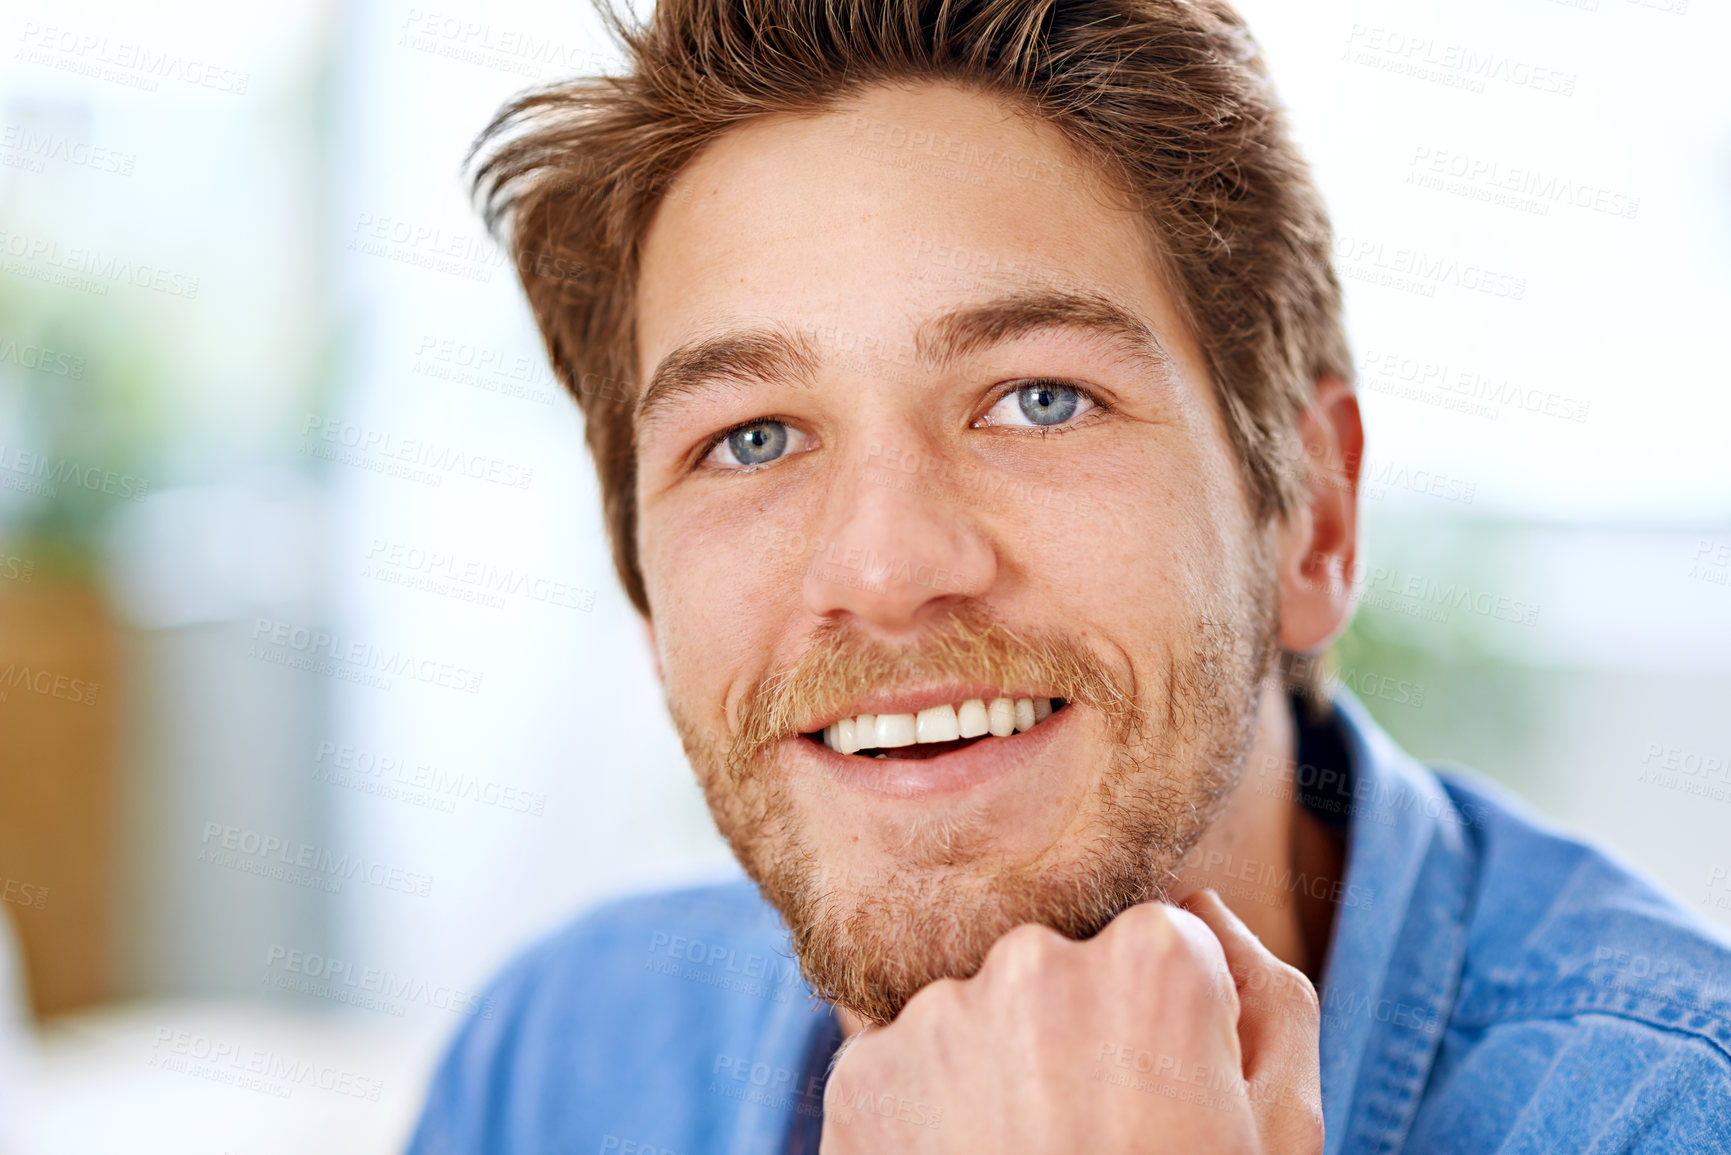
x: 958, y: 334
x: 738, y: 358
x: 744, y: 357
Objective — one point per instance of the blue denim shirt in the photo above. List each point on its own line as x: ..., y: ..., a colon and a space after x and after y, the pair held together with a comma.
x: 1491, y: 985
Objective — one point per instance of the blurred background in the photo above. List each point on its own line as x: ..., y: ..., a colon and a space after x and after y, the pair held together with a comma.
x: 304, y: 729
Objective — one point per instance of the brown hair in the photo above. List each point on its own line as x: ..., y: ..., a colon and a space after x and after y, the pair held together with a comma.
x: 1168, y: 97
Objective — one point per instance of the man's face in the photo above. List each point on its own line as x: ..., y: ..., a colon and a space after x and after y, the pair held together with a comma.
x: 923, y: 429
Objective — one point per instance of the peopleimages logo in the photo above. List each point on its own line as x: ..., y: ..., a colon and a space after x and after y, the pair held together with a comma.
x: 52, y: 471
x: 1461, y: 66
x: 412, y: 457
x: 1527, y: 188
x: 723, y: 966
x: 1414, y: 270
x: 253, y: 1068
x: 419, y: 783
x: 41, y: 358
x: 45, y: 259
x: 253, y: 852
x: 521, y: 51
x: 467, y: 579
x: 24, y: 147
x: 48, y: 684
x: 1218, y: 864
x: 372, y: 988
x: 32, y: 895
x: 322, y: 652
x: 1436, y: 596
x: 1467, y: 389
x: 125, y: 62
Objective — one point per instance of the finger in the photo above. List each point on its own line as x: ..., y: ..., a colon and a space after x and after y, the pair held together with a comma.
x: 1271, y: 994
x: 1164, y: 926
x: 1166, y: 948
x: 1278, y: 1028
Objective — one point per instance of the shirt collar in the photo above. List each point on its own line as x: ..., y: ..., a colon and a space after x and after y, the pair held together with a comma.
x: 1399, y: 941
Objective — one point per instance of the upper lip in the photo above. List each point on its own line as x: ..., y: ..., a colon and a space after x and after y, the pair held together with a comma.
x: 911, y: 700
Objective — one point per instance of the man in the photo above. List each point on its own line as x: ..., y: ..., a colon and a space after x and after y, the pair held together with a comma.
x: 973, y: 413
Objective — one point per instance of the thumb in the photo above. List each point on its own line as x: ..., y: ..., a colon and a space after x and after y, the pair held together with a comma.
x: 1279, y: 1030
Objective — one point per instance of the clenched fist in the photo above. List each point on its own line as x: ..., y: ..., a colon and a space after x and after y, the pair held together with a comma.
x: 1170, y: 1030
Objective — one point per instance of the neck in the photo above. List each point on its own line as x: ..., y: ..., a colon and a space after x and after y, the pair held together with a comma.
x: 1266, y: 855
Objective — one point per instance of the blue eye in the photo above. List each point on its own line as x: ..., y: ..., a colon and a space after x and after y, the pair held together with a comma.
x: 1047, y: 402
x: 1040, y: 405
x: 759, y: 443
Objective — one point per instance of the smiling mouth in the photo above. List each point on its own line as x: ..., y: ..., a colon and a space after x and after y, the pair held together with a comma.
x: 936, y: 731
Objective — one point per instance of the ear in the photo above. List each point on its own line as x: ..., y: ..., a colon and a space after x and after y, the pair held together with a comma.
x: 654, y: 650
x: 1319, y: 542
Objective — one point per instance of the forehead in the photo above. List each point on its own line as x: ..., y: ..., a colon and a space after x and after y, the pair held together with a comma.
x: 858, y: 223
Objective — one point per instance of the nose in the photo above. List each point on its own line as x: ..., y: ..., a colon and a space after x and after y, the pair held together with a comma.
x: 899, y: 543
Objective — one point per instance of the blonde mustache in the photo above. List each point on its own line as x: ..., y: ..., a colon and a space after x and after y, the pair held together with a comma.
x: 842, y: 666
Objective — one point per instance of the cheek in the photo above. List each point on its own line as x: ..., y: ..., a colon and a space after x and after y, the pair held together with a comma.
x: 1145, y: 553
x: 715, y: 589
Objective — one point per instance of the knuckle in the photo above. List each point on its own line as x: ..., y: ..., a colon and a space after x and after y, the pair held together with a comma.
x: 1033, y: 935
x: 1152, y: 918
x: 1024, y: 946
x: 932, y: 1001
x: 1158, y: 952
x: 1145, y: 933
x: 862, y: 1063
x: 1195, y: 935
x: 1307, y: 1015
x: 1025, y: 967
x: 1296, y: 991
x: 1284, y: 994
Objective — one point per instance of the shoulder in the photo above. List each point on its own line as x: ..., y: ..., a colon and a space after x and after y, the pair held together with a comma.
x: 1558, y: 926
x: 1575, y: 1082
x: 608, y: 1026
x: 624, y: 938
x: 1592, y: 1008
x: 649, y: 960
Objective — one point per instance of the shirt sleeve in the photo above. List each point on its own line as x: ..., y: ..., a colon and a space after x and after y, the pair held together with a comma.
x: 1595, y: 1083
x: 468, y: 1106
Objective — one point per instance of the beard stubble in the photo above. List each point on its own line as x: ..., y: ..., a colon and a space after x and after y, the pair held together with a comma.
x: 869, y: 944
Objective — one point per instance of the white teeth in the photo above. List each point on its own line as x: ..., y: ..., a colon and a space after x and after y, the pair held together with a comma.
x: 895, y: 730
x: 937, y: 724
x: 971, y: 719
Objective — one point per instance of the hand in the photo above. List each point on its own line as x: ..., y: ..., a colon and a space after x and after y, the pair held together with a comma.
x: 1170, y: 1030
